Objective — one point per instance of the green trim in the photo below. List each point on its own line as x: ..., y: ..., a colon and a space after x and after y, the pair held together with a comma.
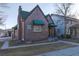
x: 38, y: 22
x: 51, y: 25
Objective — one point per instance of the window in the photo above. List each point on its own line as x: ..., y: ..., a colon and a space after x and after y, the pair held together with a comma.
x: 37, y: 28
x: 29, y: 27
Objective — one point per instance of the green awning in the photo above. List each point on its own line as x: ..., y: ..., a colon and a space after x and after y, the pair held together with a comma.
x: 38, y: 22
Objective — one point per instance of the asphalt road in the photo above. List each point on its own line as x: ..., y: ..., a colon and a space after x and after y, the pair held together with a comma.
x: 5, y: 38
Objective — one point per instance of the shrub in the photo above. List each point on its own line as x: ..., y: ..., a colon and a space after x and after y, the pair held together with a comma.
x: 67, y: 36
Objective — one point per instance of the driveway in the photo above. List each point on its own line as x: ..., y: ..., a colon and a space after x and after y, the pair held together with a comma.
x: 73, y: 51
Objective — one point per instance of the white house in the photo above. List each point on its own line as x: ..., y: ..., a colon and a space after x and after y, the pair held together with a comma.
x: 59, y: 21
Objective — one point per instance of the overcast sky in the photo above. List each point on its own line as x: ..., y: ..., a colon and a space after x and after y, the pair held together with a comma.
x: 12, y: 11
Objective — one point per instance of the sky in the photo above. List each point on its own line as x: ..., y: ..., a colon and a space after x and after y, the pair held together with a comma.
x: 11, y: 13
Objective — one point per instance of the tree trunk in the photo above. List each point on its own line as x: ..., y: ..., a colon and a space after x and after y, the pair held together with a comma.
x: 65, y: 26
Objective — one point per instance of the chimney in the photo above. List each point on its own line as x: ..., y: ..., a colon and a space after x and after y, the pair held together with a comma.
x: 20, y: 9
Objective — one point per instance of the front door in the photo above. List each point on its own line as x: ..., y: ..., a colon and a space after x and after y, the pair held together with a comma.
x: 51, y: 32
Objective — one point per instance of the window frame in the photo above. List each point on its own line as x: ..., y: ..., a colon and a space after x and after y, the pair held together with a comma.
x: 39, y: 26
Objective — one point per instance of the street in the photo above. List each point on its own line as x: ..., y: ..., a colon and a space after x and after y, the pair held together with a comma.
x: 5, y: 38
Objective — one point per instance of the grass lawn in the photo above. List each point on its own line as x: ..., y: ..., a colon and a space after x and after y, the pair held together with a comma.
x: 72, y: 40
x: 34, y: 50
x: 1, y: 43
x: 11, y: 42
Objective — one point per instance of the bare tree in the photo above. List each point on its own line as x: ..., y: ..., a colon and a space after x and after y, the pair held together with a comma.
x: 4, y: 5
x: 65, y: 10
x: 2, y: 13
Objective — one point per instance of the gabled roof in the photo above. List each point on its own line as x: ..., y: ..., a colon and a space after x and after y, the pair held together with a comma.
x: 22, y: 13
x: 68, y: 18
x: 34, y: 9
x: 51, y: 22
x: 25, y: 14
x: 15, y: 27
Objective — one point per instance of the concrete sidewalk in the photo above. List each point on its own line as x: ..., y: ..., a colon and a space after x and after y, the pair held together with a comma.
x: 5, y: 45
x: 73, y: 43
x: 73, y: 51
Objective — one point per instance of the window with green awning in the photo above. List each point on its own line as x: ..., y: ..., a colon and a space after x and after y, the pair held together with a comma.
x: 38, y: 22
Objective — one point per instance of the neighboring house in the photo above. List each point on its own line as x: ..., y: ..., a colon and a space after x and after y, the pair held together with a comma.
x: 75, y: 31
x: 2, y: 32
x: 8, y: 32
x: 14, y: 33
x: 52, y: 31
x: 59, y: 21
x: 5, y: 33
x: 34, y: 26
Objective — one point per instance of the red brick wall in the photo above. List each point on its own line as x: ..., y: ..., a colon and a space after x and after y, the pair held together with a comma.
x: 33, y: 36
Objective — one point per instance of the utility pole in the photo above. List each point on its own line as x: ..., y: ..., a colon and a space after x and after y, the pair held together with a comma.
x: 5, y: 29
